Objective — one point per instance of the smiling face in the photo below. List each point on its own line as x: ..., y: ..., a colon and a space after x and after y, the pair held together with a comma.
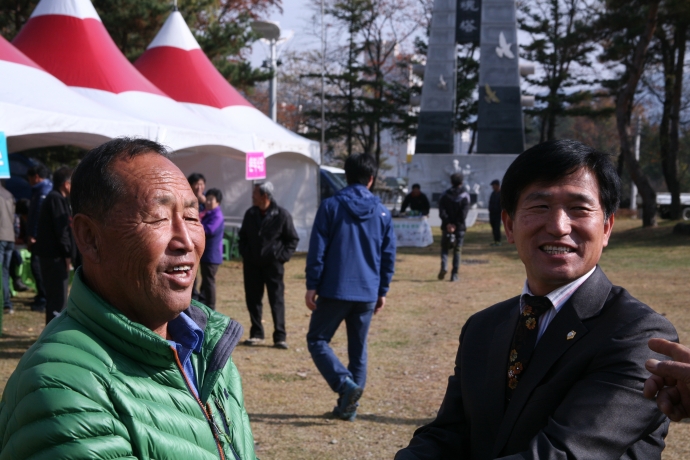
x: 151, y: 242
x: 198, y: 187
x: 559, y: 230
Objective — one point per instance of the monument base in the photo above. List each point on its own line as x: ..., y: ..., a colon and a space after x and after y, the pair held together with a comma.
x: 432, y: 172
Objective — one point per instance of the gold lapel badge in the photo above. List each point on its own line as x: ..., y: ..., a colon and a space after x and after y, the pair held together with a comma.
x: 571, y: 335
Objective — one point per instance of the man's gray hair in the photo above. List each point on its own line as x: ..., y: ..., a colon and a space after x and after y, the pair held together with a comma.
x: 266, y: 188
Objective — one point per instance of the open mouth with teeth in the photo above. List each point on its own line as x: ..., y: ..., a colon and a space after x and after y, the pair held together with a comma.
x: 556, y: 250
x: 179, y: 270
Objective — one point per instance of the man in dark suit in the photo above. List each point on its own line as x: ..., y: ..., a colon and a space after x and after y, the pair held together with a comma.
x: 557, y: 372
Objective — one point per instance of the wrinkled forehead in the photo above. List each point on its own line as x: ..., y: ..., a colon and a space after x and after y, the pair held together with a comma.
x: 152, y: 178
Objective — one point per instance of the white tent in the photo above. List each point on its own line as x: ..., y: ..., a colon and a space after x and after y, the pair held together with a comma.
x: 68, y: 39
x: 175, y: 63
x: 38, y: 110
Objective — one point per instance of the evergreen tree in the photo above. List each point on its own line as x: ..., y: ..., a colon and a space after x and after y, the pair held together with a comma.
x: 562, y: 44
x: 626, y: 28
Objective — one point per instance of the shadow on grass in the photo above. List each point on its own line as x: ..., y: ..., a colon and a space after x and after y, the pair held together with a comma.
x: 315, y: 420
x: 14, y: 346
x: 650, y: 237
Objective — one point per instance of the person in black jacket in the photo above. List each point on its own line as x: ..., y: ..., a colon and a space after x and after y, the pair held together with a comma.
x: 41, y: 186
x: 55, y: 243
x: 417, y: 201
x: 495, y: 211
x: 267, y: 240
x: 452, y: 209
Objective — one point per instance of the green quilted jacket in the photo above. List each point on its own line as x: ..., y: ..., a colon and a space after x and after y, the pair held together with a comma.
x: 98, y: 386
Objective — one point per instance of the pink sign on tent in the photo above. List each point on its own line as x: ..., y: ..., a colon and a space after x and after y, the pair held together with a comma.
x: 256, y: 166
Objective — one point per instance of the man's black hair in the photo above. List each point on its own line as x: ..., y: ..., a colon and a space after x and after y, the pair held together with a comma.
x: 95, y: 188
x: 549, y: 162
x: 359, y: 168
x: 215, y: 192
x: 456, y: 179
x: 195, y: 177
x: 38, y: 170
x: 414, y: 186
x: 62, y: 175
x: 495, y: 182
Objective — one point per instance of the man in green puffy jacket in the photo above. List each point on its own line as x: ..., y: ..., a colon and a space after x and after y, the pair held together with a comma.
x: 132, y: 368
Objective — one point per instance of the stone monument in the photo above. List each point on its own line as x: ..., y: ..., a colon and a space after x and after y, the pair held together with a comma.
x: 500, y: 127
x: 437, y: 107
x: 500, y: 130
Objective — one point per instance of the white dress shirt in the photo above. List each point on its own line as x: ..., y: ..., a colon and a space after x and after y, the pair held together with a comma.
x: 558, y: 298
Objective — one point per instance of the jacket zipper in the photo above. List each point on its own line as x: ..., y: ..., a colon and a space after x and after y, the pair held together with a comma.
x: 228, y: 434
x: 209, y: 420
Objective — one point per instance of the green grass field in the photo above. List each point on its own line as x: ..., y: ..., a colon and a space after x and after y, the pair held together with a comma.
x: 412, y: 342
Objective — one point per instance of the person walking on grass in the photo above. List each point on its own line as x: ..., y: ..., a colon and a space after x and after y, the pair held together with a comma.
x: 41, y: 185
x: 55, y: 244
x: 213, y: 223
x: 267, y: 240
x: 452, y: 209
x: 495, y: 211
x: 350, y: 264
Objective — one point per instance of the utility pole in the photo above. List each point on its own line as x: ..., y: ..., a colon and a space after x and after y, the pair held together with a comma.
x: 323, y: 80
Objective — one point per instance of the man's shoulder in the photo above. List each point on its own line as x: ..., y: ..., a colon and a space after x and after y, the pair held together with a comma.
x: 253, y: 210
x: 627, y: 309
x: 282, y: 212
x: 64, y: 354
x: 5, y: 194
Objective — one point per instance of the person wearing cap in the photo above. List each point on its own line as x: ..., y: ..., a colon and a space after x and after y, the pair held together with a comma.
x: 267, y: 240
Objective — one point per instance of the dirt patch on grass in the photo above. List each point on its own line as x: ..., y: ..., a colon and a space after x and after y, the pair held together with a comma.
x: 412, y: 342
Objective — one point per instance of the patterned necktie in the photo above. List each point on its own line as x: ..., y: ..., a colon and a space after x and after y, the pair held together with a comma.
x: 525, y: 339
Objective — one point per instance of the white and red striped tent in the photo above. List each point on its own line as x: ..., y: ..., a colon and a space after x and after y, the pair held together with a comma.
x: 38, y: 110
x: 175, y: 63
x: 68, y: 39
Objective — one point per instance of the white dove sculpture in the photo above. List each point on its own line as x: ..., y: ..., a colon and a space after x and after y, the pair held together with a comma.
x: 442, y: 83
x: 503, y: 48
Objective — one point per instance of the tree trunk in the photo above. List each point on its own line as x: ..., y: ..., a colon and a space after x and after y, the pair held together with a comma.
x: 624, y: 105
x: 669, y: 129
x: 474, y: 137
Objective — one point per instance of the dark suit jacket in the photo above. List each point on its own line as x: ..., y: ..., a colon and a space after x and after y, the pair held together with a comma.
x: 579, y: 398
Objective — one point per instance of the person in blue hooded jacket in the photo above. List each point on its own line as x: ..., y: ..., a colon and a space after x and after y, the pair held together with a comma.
x: 349, y: 269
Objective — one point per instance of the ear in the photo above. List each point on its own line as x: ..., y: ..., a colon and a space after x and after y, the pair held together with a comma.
x: 87, y: 235
x: 608, y: 227
x: 508, y: 226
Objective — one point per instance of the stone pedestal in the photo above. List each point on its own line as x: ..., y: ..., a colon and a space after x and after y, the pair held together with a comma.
x: 433, y: 172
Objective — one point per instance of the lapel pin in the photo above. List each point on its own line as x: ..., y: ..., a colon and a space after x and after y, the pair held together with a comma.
x: 571, y: 335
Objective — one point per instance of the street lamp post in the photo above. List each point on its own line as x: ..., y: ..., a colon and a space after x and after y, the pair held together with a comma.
x: 323, y: 80
x: 271, y: 32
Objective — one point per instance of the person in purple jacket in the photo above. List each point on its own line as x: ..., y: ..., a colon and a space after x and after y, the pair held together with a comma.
x: 213, y: 223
